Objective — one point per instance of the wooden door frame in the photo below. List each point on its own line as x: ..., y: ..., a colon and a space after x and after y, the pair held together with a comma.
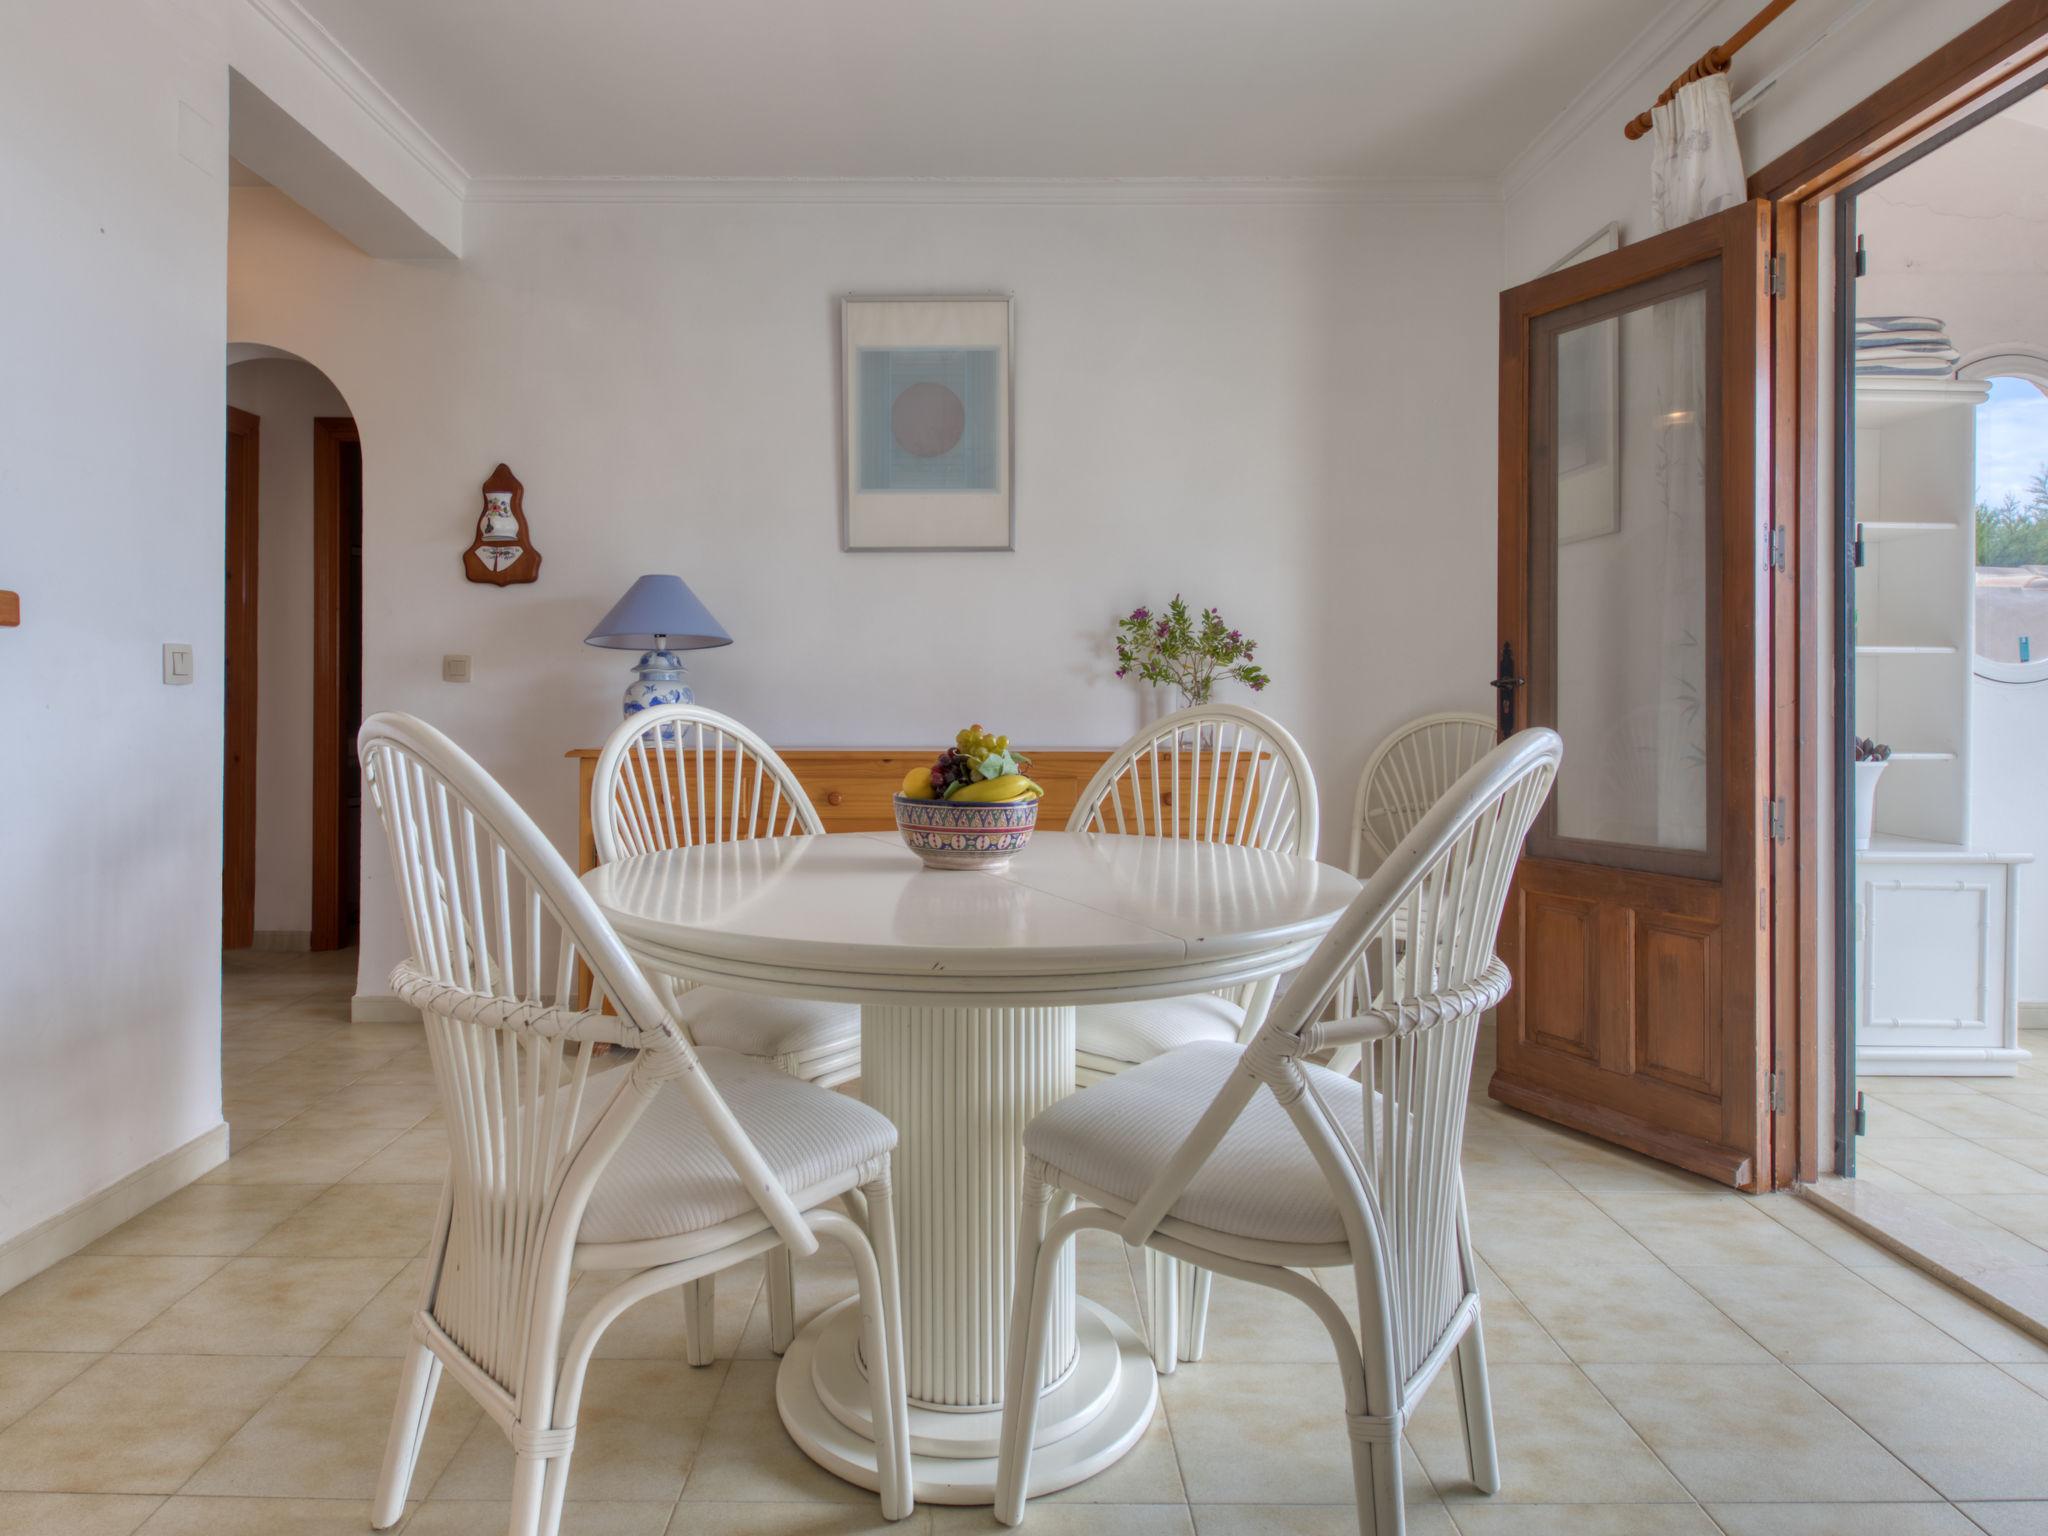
x: 1993, y: 56
x: 330, y: 557
x: 239, y: 703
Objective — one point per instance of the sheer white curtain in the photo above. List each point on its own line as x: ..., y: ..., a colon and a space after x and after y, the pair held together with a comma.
x: 1695, y: 170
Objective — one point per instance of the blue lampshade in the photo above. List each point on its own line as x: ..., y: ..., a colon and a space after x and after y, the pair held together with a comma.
x: 658, y: 612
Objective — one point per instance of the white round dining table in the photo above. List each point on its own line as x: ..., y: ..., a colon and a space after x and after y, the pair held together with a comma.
x: 968, y: 982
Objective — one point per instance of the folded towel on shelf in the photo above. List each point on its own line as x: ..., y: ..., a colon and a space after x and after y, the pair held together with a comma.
x: 1944, y: 360
x: 1903, y: 347
x: 1866, y: 324
x: 1935, y: 370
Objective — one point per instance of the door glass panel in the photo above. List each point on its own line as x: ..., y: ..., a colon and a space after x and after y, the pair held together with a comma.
x: 1625, y: 524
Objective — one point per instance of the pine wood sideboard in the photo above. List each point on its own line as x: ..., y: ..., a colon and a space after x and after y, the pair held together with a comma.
x: 853, y: 787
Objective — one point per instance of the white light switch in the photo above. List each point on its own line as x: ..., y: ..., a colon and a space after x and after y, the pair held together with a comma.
x: 454, y: 669
x: 177, y: 664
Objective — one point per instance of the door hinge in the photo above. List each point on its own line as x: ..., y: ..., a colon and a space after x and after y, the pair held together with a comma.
x: 1777, y: 810
x: 1862, y: 258
x: 1777, y: 1087
x: 1862, y: 1121
x: 1776, y: 547
x: 1775, y: 276
x: 1856, y: 550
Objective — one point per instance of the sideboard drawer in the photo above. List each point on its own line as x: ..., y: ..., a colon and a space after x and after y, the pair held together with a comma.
x: 853, y: 791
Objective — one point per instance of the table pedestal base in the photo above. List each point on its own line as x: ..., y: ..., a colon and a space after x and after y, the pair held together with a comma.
x: 1090, y: 1417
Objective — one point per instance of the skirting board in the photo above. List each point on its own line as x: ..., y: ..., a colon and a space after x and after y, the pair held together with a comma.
x: 65, y: 1233
x: 289, y: 940
x: 381, y: 1008
x: 2033, y: 1015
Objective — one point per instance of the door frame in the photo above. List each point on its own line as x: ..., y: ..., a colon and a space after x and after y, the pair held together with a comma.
x: 1809, y: 683
x: 239, y: 702
x: 330, y: 557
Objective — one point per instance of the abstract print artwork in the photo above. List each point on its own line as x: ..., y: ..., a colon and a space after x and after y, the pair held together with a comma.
x: 927, y: 384
x: 928, y: 418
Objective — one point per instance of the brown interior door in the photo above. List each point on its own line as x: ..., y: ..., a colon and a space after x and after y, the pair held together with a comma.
x: 238, y: 675
x: 1634, y: 619
x: 337, y: 677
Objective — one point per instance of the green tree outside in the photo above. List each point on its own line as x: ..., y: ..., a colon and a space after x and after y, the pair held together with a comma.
x: 2015, y: 532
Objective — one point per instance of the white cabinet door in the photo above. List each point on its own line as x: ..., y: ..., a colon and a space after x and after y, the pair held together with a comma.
x: 1937, y: 968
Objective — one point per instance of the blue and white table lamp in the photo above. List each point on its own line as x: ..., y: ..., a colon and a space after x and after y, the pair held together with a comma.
x: 658, y: 616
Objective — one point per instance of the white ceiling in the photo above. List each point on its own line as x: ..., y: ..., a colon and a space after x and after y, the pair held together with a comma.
x: 984, y: 88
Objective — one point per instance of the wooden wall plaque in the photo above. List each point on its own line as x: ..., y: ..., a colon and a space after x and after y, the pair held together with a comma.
x: 502, y: 552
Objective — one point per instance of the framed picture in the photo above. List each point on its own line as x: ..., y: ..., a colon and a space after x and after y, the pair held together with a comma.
x: 1589, y: 416
x: 928, y: 435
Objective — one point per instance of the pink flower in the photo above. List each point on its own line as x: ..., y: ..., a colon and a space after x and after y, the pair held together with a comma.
x: 1140, y: 615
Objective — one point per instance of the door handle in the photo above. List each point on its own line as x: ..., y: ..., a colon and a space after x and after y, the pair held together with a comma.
x: 1504, y: 684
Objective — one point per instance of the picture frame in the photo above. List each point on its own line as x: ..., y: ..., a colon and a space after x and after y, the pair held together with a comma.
x: 928, y: 460
x: 1589, y: 437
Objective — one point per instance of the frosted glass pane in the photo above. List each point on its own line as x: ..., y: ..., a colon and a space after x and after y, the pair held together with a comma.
x: 1632, y: 632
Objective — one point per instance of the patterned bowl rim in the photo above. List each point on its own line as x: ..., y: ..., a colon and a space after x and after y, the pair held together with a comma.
x: 902, y: 799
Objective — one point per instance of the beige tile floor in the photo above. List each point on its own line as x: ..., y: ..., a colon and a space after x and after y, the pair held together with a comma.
x: 1972, y: 1151
x: 1668, y: 1357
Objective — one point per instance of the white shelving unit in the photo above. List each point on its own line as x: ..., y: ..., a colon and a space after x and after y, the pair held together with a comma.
x: 1916, y: 445
x: 1935, y: 915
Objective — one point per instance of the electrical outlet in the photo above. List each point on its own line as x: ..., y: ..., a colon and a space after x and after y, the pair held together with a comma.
x: 177, y: 664
x: 454, y: 669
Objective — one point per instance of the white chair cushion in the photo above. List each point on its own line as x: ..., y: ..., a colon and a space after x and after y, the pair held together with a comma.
x: 766, y: 1026
x: 1139, y: 1031
x: 1261, y: 1182
x: 670, y: 1178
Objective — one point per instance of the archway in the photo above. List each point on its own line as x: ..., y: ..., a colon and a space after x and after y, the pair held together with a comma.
x: 291, y: 791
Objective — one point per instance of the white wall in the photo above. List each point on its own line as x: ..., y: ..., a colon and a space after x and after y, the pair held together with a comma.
x: 286, y: 395
x: 1283, y: 409
x: 114, y: 191
x: 111, y: 447
x: 1963, y: 235
x: 1574, y: 181
x: 2008, y: 813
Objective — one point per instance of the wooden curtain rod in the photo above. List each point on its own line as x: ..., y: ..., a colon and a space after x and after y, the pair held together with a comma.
x: 1714, y: 61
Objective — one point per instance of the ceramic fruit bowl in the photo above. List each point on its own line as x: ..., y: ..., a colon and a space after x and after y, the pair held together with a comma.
x: 954, y: 834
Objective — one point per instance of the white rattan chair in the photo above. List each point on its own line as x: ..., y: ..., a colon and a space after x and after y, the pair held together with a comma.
x: 665, y: 1167
x: 675, y: 777
x: 1213, y: 773
x: 1251, y: 1161
x: 1407, y: 774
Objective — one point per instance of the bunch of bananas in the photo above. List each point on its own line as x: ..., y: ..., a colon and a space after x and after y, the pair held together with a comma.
x: 978, y: 768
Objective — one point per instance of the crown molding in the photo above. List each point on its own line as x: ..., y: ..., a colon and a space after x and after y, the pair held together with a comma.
x: 1604, y: 94
x: 974, y: 189
x: 292, y: 22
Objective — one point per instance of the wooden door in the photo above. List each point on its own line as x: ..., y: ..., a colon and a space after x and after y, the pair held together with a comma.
x: 1635, y: 618
x: 238, y: 677
x: 337, y: 678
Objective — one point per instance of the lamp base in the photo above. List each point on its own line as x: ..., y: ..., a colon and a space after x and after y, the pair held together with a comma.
x: 657, y: 680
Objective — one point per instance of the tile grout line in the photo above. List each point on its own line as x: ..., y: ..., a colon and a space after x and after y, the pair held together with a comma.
x: 1612, y: 1408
